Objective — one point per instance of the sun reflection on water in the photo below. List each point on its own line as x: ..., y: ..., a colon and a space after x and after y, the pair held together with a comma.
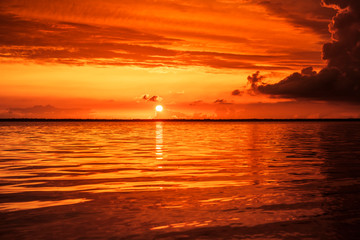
x: 159, y: 141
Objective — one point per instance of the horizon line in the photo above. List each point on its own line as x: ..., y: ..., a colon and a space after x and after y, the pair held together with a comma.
x: 175, y: 120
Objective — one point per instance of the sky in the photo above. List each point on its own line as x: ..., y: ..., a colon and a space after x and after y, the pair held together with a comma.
x: 199, y: 59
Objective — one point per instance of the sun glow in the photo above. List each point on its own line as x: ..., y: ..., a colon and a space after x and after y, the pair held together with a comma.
x: 159, y: 108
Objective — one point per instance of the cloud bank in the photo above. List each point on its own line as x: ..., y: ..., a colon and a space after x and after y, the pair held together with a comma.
x: 340, y: 79
x: 45, y: 111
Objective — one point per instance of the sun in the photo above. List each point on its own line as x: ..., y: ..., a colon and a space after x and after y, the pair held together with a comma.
x: 159, y: 108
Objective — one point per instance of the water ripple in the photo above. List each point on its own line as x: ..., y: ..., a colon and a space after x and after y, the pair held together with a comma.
x: 139, y: 180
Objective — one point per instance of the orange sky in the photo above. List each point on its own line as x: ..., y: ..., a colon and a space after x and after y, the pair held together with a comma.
x: 98, y: 59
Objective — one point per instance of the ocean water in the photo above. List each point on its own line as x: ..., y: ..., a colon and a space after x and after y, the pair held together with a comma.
x: 180, y: 180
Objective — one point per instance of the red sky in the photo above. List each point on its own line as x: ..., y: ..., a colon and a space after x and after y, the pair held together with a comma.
x: 108, y: 59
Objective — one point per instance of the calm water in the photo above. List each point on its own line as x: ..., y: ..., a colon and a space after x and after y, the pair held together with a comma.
x: 180, y: 180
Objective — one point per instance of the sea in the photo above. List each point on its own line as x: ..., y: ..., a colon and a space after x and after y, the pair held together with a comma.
x: 179, y: 180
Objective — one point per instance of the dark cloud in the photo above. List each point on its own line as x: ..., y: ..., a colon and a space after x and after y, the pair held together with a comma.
x: 309, y: 71
x: 340, y: 79
x: 255, y: 79
x: 237, y: 92
x: 221, y: 101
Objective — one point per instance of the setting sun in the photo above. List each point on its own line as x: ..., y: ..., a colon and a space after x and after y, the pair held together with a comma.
x: 159, y: 108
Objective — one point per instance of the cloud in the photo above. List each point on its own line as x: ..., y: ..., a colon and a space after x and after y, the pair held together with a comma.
x: 78, y: 44
x: 237, y: 92
x: 122, y: 33
x: 45, y: 111
x: 154, y: 98
x: 340, y: 79
x: 221, y: 101
x: 145, y: 97
x: 255, y: 79
x: 307, y: 14
x: 197, y: 102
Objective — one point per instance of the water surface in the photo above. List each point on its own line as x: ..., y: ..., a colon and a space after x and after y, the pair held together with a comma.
x: 179, y: 180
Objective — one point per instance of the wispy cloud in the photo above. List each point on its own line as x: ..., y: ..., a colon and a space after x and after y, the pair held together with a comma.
x: 128, y: 33
x: 308, y: 14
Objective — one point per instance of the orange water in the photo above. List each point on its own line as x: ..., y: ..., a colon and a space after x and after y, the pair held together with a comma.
x: 179, y: 180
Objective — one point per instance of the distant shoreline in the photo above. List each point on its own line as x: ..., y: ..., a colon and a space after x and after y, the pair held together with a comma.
x: 180, y: 120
